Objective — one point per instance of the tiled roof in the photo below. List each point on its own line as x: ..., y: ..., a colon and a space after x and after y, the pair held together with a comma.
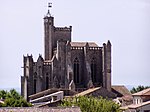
x: 134, y: 106
x: 139, y: 105
x: 98, y: 91
x: 82, y: 44
x: 143, y: 92
x: 32, y: 109
x: 121, y: 90
x: 50, y: 91
x: 87, y: 91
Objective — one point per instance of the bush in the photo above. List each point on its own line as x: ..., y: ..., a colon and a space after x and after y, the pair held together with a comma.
x: 91, y: 104
x: 13, y: 99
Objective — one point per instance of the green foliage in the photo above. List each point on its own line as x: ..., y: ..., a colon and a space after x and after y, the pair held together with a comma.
x: 139, y: 88
x: 91, y: 104
x: 3, y: 94
x: 13, y: 99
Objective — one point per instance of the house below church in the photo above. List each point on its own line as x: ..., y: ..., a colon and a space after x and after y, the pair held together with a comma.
x: 141, y: 102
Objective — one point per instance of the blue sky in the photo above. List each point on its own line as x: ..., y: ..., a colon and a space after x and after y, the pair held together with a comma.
x: 126, y: 23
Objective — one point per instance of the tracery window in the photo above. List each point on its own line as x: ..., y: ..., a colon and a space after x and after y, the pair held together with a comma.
x: 76, y: 70
x: 93, y: 70
x: 34, y: 82
x: 47, y: 81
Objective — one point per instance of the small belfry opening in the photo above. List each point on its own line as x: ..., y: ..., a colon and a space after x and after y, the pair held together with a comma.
x: 93, y: 70
x: 76, y: 70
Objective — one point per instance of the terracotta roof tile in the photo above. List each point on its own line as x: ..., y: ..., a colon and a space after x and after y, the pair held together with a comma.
x: 122, y: 90
x: 96, y: 92
x: 143, y: 92
x: 139, y: 105
x: 33, y: 109
x: 87, y: 91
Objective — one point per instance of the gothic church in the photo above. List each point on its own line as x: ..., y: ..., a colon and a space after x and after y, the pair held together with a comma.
x: 70, y: 65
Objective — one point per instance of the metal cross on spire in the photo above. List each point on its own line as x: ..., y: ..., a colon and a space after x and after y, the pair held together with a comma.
x: 49, y: 6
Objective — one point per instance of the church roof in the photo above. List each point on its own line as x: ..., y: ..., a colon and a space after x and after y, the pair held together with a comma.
x: 96, y: 92
x: 87, y: 91
x: 82, y: 44
x: 120, y: 89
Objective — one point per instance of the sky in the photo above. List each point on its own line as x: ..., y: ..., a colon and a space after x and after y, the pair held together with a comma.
x: 126, y: 23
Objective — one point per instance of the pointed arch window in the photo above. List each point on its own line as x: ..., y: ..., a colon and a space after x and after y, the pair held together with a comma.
x: 76, y: 70
x: 93, y: 70
x: 47, y: 81
x: 34, y: 82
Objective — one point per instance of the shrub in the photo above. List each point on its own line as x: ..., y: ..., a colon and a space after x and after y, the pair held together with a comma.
x: 13, y: 99
x: 91, y: 104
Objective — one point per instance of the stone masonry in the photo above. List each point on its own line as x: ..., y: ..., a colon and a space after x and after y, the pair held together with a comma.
x: 70, y: 65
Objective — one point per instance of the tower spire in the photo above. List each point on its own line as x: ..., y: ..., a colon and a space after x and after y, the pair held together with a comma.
x: 49, y: 6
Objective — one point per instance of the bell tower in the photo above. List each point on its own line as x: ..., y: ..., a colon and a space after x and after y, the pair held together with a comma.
x: 48, y: 34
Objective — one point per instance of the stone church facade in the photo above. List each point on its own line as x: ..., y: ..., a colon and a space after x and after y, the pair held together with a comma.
x: 70, y: 65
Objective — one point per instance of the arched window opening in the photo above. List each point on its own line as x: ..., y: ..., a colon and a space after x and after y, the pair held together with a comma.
x: 34, y: 82
x: 76, y: 70
x: 47, y: 81
x: 93, y: 70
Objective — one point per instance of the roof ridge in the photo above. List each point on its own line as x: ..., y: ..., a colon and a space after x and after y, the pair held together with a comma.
x: 144, y: 91
x: 148, y: 90
x: 87, y: 91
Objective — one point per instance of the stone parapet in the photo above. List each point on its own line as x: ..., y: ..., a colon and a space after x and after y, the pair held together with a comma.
x: 63, y: 28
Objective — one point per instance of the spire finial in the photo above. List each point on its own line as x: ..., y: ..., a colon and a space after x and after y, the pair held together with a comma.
x: 49, y: 6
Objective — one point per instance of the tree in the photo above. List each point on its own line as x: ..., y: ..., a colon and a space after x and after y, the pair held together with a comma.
x: 139, y: 88
x: 13, y: 99
x: 3, y: 94
x: 91, y: 104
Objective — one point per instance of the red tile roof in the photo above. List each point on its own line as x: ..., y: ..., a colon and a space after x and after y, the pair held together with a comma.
x: 139, y: 105
x: 143, y: 92
x: 34, y: 109
x: 96, y: 92
x: 87, y: 91
x: 121, y: 89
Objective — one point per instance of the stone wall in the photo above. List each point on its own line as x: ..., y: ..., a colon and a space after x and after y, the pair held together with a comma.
x: 84, y: 58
